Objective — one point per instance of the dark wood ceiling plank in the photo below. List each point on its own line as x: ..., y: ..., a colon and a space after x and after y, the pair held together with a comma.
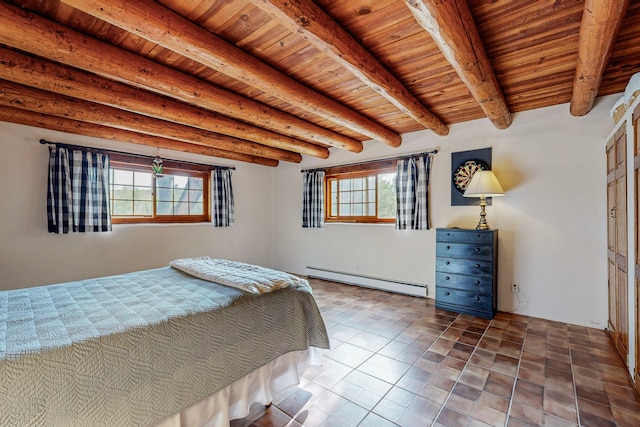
x: 601, y: 21
x: 451, y: 26
x: 43, y: 121
x: 29, y: 71
x: 31, y: 33
x: 156, y: 23
x: 309, y: 21
x: 39, y: 101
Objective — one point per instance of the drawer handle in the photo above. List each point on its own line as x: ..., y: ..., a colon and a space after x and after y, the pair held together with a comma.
x: 477, y: 265
x: 447, y: 293
x: 477, y: 249
x: 477, y: 298
x: 477, y: 282
x: 448, y: 247
x: 447, y: 263
x: 446, y: 278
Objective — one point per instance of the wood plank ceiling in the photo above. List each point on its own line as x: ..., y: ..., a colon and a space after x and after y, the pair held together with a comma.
x: 264, y: 81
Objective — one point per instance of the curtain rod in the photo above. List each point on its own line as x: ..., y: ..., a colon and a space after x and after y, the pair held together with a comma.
x: 404, y: 156
x: 141, y: 156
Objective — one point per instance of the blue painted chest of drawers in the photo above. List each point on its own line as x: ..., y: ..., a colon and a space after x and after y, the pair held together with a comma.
x: 467, y: 271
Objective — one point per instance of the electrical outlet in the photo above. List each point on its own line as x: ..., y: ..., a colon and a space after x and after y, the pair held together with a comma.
x: 516, y: 287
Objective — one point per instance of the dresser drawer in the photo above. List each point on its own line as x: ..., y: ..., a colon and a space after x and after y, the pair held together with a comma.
x: 464, y: 236
x: 464, y: 266
x: 464, y: 250
x: 482, y: 285
x: 464, y: 302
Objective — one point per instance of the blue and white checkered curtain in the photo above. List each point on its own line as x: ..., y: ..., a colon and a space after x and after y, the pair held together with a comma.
x: 223, y: 212
x: 313, y: 199
x: 412, y: 193
x: 78, y: 191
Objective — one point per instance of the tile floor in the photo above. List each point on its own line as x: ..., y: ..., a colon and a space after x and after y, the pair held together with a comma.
x: 397, y: 361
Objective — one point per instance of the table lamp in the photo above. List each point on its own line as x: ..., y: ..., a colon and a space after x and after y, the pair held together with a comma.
x: 483, y: 184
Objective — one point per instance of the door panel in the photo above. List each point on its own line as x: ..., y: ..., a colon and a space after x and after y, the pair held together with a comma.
x: 611, y: 239
x: 617, y: 232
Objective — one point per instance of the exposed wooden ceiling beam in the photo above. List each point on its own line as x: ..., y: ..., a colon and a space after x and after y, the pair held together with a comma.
x: 31, y: 33
x: 20, y: 68
x: 451, y: 26
x: 601, y: 20
x: 160, y: 25
x: 314, y: 25
x: 29, y: 118
x: 39, y: 101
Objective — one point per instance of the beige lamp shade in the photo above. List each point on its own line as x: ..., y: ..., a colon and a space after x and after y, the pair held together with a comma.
x: 484, y: 183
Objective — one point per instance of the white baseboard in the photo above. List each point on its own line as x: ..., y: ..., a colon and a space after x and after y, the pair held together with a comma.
x: 413, y: 289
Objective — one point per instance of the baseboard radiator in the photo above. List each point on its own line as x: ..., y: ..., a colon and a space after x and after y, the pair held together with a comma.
x: 369, y: 282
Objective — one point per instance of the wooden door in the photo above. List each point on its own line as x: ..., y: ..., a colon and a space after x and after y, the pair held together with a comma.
x: 611, y: 238
x: 617, y: 242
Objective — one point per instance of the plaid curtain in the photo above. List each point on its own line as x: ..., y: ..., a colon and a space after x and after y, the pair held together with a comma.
x: 222, y: 193
x: 412, y: 192
x: 313, y: 199
x: 78, y: 191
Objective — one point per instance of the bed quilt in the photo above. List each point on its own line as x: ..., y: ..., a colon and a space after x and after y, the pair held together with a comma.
x: 134, y: 348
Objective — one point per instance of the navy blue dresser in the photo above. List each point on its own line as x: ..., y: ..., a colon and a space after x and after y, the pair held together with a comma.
x: 467, y: 271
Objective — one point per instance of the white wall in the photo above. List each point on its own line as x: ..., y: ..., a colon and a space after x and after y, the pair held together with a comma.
x: 30, y: 256
x: 552, y: 221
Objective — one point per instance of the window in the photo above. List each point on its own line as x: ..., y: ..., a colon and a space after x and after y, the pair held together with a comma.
x: 179, y: 194
x: 357, y: 195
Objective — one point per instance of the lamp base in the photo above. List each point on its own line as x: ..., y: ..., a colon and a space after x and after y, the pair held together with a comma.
x: 482, y: 225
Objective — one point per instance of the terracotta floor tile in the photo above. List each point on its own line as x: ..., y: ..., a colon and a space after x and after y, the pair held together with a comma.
x: 595, y: 413
x: 274, y: 418
x: 420, y: 411
x: 593, y: 394
x: 449, y: 418
x: 526, y: 414
x: 505, y: 365
x: 396, y: 360
x: 342, y: 332
x: 332, y: 409
x: 374, y: 420
x: 349, y: 354
x: 625, y: 417
x: 330, y: 373
x: 474, y: 376
x: 361, y: 389
x: 529, y: 394
x: 549, y: 420
x: 561, y: 405
x: 384, y: 368
x: 500, y: 384
x: 395, y: 403
x: 406, y: 353
x: 296, y: 402
x: 369, y: 341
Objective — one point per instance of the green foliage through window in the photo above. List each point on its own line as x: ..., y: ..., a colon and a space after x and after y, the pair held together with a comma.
x: 138, y: 195
x: 361, y: 197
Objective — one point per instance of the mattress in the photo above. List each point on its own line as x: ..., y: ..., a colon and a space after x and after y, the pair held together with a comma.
x: 136, y: 348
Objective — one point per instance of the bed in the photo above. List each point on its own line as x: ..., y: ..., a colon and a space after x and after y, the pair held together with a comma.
x: 156, y: 347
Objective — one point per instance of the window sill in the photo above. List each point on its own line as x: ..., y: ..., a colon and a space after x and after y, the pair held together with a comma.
x: 159, y: 224
x: 377, y: 224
